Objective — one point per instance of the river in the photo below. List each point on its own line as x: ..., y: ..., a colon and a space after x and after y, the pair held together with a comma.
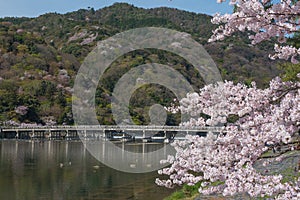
x: 66, y: 170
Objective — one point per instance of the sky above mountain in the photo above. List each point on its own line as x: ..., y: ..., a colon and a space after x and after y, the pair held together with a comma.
x: 33, y: 8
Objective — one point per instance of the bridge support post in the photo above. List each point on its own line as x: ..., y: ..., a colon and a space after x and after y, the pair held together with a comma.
x: 17, y: 134
x: 68, y: 137
x: 85, y: 135
x: 103, y: 134
x: 143, y: 150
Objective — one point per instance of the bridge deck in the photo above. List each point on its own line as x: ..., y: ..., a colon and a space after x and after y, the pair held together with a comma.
x: 112, y: 128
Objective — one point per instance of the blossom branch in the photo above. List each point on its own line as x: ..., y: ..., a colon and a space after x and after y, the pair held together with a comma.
x: 266, y: 19
x: 267, y: 120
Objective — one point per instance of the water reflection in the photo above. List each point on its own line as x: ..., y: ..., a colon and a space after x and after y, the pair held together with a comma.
x: 129, y: 157
x: 65, y: 170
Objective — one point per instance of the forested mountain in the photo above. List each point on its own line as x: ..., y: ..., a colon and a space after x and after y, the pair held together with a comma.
x: 39, y: 58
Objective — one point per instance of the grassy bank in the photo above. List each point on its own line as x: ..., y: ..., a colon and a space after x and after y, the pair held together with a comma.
x: 185, y: 193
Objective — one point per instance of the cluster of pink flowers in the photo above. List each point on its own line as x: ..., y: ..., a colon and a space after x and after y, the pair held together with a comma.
x: 253, y: 121
x: 22, y: 110
x: 266, y: 19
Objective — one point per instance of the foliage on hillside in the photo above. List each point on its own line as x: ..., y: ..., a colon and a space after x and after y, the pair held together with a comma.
x: 39, y: 58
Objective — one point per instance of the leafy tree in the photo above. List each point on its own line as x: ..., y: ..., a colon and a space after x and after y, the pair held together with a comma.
x: 290, y: 71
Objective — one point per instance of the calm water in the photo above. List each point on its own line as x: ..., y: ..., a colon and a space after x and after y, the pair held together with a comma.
x: 65, y: 170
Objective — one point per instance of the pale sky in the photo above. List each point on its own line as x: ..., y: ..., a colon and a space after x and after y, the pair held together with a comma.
x: 33, y: 8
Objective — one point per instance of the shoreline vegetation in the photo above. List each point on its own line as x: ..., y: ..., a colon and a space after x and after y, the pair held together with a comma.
x: 185, y: 193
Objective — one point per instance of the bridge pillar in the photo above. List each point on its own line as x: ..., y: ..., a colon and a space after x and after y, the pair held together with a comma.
x: 143, y: 150
x: 144, y: 133
x: 50, y: 135
x: 33, y: 134
x: 103, y: 150
x: 85, y: 134
x: 103, y: 134
x: 17, y: 134
x: 68, y: 137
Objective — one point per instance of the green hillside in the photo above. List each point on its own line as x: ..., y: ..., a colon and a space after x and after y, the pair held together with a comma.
x: 39, y: 59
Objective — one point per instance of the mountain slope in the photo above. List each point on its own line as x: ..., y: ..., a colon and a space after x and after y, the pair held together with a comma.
x: 39, y: 58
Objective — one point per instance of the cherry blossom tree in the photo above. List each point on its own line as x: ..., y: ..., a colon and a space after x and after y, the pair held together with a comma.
x: 22, y: 110
x: 253, y: 121
x: 264, y: 19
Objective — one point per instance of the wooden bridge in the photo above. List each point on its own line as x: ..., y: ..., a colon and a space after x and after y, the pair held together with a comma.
x: 111, y: 132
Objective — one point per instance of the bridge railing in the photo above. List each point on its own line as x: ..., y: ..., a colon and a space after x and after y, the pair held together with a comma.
x: 115, y: 127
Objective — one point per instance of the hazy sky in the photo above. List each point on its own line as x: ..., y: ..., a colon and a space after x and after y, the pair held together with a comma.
x: 32, y: 8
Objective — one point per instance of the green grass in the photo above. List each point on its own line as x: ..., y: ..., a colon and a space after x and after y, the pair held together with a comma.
x: 185, y: 193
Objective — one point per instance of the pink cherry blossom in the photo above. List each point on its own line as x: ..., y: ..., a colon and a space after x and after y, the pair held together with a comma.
x: 266, y: 19
x: 22, y: 110
x: 265, y: 119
